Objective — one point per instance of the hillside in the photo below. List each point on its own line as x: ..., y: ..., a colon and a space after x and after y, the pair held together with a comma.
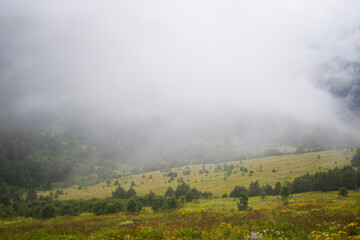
x: 277, y: 168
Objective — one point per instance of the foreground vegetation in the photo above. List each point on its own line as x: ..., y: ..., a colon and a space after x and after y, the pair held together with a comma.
x: 307, y: 216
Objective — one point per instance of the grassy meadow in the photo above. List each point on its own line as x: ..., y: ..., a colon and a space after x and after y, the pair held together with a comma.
x: 273, y: 169
x: 310, y: 215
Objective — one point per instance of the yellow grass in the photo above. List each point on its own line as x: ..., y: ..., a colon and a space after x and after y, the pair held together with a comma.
x: 288, y: 167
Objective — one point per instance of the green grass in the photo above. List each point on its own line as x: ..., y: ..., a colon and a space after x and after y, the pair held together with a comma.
x: 311, y: 215
x: 287, y: 168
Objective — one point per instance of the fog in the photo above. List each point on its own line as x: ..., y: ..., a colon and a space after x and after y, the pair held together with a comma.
x: 189, y: 69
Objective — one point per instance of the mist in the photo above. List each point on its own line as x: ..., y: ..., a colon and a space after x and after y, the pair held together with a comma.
x: 175, y: 71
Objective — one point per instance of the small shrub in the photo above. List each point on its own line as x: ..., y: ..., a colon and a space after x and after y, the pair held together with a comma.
x: 343, y: 192
x: 191, y: 233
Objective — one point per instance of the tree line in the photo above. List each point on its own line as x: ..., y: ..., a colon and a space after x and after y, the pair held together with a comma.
x: 121, y: 201
x: 332, y: 180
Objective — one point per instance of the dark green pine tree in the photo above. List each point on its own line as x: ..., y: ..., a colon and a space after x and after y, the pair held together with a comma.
x: 119, y: 193
x: 130, y: 193
x: 235, y: 193
x: 182, y: 190
x: 268, y: 190
x: 285, y: 194
x: 254, y: 189
x: 355, y: 161
x: 169, y: 192
x: 242, y: 203
x: 277, y: 188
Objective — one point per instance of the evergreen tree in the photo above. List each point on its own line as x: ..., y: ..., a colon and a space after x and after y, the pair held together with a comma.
x: 149, y: 198
x: 192, y: 194
x: 301, y: 184
x: 358, y: 177
x: 355, y: 161
x: 349, y: 178
x: 285, y: 194
x: 169, y: 192
x: 235, y: 193
x: 130, y: 193
x: 182, y: 190
x: 119, y: 193
x: 254, y: 189
x: 268, y: 190
x: 277, y: 188
x: 242, y: 203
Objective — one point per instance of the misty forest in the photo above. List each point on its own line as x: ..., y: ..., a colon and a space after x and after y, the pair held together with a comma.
x: 180, y: 119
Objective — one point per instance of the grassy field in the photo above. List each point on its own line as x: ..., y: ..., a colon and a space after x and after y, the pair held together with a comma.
x: 287, y: 167
x: 308, y: 216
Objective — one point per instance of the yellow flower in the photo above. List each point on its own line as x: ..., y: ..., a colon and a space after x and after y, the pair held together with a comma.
x: 317, y: 237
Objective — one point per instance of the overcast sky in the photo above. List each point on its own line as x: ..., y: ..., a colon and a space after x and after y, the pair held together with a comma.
x: 168, y: 58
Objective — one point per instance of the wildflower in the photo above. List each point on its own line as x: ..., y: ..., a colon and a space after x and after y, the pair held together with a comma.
x: 317, y: 237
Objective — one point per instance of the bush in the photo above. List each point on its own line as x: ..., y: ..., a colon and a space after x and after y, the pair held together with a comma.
x: 134, y: 205
x: 114, y: 207
x: 110, y: 208
x: 48, y: 211
x: 191, y: 233
x: 171, y: 202
x: 343, y: 192
x: 158, y: 204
